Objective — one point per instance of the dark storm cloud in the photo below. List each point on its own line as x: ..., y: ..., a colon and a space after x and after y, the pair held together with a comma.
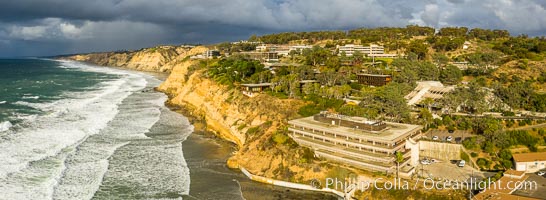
x: 38, y: 27
x: 456, y: 1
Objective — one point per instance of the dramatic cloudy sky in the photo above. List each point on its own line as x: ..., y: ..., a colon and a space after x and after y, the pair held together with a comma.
x: 49, y: 27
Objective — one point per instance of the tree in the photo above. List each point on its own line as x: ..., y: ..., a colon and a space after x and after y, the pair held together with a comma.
x: 308, y: 89
x: 453, y: 31
x: 426, y: 116
x: 316, y: 55
x: 440, y: 59
x: 451, y: 101
x: 399, y: 158
x: 451, y: 75
x: 390, y: 102
x: 419, y: 48
x: 428, y: 102
x: 475, y: 99
x: 292, y: 54
x: 517, y: 95
x: 293, y: 85
x: 358, y: 57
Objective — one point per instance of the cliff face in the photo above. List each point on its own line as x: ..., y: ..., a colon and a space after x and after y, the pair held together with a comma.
x: 251, y: 123
x: 157, y: 59
x: 248, y: 122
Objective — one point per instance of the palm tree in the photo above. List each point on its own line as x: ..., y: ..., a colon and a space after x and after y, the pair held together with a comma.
x: 399, y: 158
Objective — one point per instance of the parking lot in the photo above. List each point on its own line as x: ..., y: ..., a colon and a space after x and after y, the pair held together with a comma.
x: 539, y: 192
x: 447, y: 170
x: 457, y: 135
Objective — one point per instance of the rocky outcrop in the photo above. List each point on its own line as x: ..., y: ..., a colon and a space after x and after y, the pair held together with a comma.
x: 156, y: 59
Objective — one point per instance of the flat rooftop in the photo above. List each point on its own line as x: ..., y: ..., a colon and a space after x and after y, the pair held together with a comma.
x: 393, y: 131
x: 256, y: 84
x: 376, y: 75
x: 530, y: 157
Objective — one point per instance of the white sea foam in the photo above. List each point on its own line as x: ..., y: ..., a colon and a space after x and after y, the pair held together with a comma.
x: 68, y: 122
x: 2, y: 102
x: 24, y: 117
x: 66, y: 153
x: 30, y: 97
x: 4, y: 126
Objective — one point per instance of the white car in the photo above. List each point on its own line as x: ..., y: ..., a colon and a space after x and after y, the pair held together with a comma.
x: 541, y: 173
x: 433, y: 161
x: 449, y: 138
x: 425, y: 162
x: 461, y: 163
x: 434, y: 137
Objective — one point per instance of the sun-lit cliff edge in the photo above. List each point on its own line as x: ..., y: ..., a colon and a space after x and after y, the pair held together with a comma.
x: 155, y: 59
x: 250, y: 123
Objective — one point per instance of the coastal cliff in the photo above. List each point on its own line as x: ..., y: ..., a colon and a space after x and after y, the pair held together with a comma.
x: 256, y: 125
x: 251, y: 123
x: 155, y: 59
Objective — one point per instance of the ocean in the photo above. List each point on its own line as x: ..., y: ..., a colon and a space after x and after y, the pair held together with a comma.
x: 69, y: 130
x: 74, y: 131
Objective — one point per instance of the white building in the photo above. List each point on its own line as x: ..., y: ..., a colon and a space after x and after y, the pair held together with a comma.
x: 530, y: 162
x: 211, y: 53
x: 370, y: 51
x: 283, y: 50
x: 350, y: 49
x: 359, y: 142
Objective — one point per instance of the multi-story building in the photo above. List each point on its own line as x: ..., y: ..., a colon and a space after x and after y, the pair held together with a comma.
x: 370, y: 51
x: 261, y: 56
x: 350, y: 49
x: 374, y: 79
x: 211, y: 53
x: 374, y: 49
x: 358, y: 142
x: 282, y: 49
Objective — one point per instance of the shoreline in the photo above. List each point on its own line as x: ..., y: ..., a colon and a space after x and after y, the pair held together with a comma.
x: 250, y: 189
x: 205, y: 164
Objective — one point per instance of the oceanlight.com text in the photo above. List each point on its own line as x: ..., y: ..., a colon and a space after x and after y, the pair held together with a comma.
x: 427, y: 184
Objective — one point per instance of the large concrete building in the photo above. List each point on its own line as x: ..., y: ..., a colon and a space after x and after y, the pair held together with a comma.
x: 530, y: 162
x: 370, y: 51
x: 358, y: 142
x: 261, y: 56
x: 283, y: 50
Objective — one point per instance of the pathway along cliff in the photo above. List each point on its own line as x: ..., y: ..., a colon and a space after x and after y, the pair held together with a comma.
x: 232, y: 117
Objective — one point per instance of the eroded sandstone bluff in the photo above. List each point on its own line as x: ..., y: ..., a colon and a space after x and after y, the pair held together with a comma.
x: 250, y: 123
x: 155, y: 59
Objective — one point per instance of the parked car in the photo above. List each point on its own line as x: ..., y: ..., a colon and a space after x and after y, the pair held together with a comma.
x: 449, y: 138
x: 461, y: 163
x: 541, y: 173
x: 433, y: 161
x: 425, y: 162
x: 434, y: 137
